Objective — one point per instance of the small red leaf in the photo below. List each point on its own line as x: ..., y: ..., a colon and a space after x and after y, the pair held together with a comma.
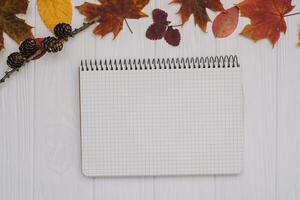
x: 38, y: 42
x: 160, y: 16
x: 155, y: 31
x: 226, y: 22
x: 172, y: 36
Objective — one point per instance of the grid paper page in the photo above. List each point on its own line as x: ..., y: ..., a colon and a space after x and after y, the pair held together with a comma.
x: 161, y: 122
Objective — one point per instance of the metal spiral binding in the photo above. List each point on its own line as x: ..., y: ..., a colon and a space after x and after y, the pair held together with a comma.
x: 160, y: 63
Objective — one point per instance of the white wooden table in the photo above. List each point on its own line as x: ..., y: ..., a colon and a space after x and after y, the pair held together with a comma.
x: 39, y: 117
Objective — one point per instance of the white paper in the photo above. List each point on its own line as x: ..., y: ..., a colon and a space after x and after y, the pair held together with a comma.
x: 161, y: 122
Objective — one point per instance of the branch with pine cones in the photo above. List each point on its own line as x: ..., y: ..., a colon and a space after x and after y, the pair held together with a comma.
x: 32, y: 49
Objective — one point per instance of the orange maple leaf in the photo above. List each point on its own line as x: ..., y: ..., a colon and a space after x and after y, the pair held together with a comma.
x: 10, y: 24
x: 267, y: 18
x: 198, y: 9
x: 112, y: 14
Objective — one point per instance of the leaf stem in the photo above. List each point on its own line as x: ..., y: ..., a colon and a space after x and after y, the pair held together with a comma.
x: 296, y: 13
x: 8, y: 73
x: 176, y: 25
x: 128, y: 26
x: 84, y: 26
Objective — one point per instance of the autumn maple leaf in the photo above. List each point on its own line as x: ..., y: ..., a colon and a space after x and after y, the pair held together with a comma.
x: 267, y: 18
x: 198, y: 9
x: 13, y: 26
x: 112, y: 14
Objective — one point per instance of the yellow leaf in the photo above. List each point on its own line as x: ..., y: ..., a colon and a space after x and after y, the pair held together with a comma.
x: 299, y: 40
x: 53, y: 12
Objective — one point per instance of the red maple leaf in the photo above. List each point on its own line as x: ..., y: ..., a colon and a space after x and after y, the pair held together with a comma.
x: 267, y: 18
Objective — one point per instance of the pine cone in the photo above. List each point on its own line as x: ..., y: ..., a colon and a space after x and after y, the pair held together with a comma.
x: 63, y: 31
x: 16, y: 60
x: 52, y: 44
x: 28, y: 47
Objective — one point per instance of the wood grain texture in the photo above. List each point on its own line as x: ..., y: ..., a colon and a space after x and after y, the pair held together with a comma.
x: 181, y: 188
x: 40, y: 131
x: 17, y: 129
x: 288, y: 117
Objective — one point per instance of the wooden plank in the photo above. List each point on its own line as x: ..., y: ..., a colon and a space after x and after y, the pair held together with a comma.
x: 288, y: 160
x: 126, y: 45
x: 57, y: 167
x: 193, y: 43
x: 17, y: 126
x: 259, y: 66
x: 39, y: 118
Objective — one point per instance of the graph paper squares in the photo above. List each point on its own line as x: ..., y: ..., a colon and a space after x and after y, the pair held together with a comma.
x: 161, y: 122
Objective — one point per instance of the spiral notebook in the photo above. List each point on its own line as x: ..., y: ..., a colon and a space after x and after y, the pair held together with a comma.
x: 156, y: 117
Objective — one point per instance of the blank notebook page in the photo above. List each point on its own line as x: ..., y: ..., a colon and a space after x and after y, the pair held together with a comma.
x: 151, y: 122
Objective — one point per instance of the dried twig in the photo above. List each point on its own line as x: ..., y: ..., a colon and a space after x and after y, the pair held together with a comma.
x: 41, y: 50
